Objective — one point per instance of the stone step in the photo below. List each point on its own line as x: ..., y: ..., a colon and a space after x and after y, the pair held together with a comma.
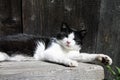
x: 38, y: 70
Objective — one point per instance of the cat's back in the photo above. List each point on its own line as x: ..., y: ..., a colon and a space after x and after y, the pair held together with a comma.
x: 22, y: 43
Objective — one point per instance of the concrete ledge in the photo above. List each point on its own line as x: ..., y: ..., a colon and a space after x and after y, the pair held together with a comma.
x: 37, y: 70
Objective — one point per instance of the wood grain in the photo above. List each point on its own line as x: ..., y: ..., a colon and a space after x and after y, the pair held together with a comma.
x: 10, y: 17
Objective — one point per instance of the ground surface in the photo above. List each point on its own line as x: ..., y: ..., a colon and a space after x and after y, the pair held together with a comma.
x: 37, y: 70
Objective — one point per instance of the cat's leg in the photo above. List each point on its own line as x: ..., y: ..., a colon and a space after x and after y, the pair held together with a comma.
x: 60, y: 59
x: 93, y: 58
x: 3, y: 56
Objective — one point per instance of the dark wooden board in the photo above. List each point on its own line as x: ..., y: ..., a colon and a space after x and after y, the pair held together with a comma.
x: 108, y: 41
x: 10, y: 17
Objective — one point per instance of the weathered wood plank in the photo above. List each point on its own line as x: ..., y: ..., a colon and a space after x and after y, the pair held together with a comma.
x: 108, y: 41
x: 90, y: 14
x: 10, y: 17
x: 31, y: 16
x: 42, y: 17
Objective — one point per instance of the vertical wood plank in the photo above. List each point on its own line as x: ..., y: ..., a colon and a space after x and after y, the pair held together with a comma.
x: 10, y: 17
x: 41, y: 17
x: 108, y: 41
x: 55, y: 15
x: 90, y: 14
x: 31, y: 16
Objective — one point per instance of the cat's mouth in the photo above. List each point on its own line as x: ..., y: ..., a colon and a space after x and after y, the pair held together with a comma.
x: 68, y: 45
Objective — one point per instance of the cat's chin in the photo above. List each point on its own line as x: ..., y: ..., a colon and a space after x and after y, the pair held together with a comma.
x: 69, y: 48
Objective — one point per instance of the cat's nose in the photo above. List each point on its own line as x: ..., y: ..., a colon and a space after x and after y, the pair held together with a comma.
x: 68, y: 42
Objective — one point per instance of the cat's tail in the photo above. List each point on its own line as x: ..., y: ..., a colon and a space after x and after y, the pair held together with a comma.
x: 39, y: 52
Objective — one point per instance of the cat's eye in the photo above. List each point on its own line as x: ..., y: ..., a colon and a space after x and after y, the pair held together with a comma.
x: 61, y: 35
x: 64, y: 35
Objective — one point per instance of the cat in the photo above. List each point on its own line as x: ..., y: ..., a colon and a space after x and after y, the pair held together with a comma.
x: 64, y: 48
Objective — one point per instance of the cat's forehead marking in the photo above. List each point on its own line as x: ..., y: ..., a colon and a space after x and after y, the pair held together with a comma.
x: 71, y: 35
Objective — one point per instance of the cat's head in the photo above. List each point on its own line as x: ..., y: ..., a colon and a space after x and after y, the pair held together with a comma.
x: 70, y: 38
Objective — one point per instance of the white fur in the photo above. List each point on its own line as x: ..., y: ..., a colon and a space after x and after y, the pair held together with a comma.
x: 56, y: 53
x: 39, y: 52
x: 3, y: 56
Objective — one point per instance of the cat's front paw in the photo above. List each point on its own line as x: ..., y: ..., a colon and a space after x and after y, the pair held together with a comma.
x: 72, y: 64
x: 104, y: 59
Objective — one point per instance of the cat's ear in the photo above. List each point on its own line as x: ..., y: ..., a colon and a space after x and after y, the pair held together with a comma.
x: 64, y: 27
x: 83, y: 33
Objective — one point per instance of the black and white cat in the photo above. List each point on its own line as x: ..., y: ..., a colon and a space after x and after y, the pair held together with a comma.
x: 64, y: 48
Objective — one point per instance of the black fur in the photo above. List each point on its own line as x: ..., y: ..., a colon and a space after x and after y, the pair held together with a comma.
x: 21, y: 44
